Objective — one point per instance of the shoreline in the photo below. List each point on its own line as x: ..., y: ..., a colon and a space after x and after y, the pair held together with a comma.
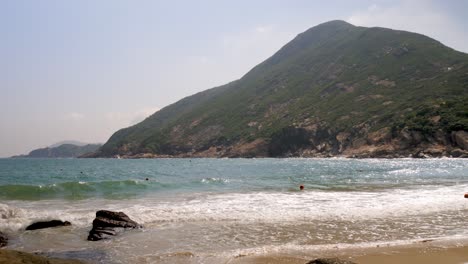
x: 13, y: 256
x: 136, y: 157
x: 431, y: 252
x: 448, y: 250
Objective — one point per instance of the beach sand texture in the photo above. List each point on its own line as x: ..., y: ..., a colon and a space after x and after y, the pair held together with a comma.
x: 400, y: 255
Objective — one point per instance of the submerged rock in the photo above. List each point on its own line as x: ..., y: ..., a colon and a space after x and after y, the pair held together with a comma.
x: 330, y: 261
x: 105, y: 223
x: 47, y: 224
x: 3, y: 240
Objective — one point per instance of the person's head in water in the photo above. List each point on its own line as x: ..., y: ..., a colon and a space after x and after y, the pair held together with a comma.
x: 301, y: 187
x: 146, y: 179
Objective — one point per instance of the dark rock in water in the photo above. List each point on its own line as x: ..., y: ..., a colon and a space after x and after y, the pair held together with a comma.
x: 47, y: 224
x: 105, y: 223
x: 113, y: 219
x: 3, y: 240
x: 99, y: 233
x: 330, y: 261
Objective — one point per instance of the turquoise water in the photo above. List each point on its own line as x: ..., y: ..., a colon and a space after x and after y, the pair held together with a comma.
x: 36, y: 179
x: 227, y: 207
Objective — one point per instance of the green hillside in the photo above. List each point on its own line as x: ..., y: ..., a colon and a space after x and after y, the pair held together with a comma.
x: 335, y: 89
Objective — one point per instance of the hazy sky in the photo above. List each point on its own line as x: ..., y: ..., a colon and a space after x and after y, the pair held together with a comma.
x: 83, y: 69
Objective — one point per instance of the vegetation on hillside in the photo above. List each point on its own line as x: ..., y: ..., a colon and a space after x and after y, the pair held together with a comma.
x: 333, y: 78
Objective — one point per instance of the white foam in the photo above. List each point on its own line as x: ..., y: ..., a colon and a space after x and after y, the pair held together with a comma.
x: 11, y: 218
x: 270, y: 207
x: 211, y: 180
x: 307, y: 206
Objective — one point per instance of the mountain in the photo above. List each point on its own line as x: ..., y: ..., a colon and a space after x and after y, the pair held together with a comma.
x: 62, y: 151
x: 72, y: 142
x: 334, y: 90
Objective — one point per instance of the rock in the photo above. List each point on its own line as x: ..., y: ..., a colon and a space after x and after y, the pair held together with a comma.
x: 460, y: 138
x: 442, y: 137
x: 100, y: 233
x: 47, y: 224
x: 380, y: 136
x: 330, y: 261
x: 410, y: 138
x: 458, y: 153
x: 3, y: 240
x: 113, y: 219
x: 19, y: 257
x: 105, y: 223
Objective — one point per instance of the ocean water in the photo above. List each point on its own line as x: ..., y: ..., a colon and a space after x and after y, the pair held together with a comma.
x: 212, y: 210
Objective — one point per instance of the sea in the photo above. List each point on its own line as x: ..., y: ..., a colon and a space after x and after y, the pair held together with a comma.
x: 216, y: 210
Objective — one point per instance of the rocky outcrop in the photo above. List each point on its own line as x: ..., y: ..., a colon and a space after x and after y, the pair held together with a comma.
x: 106, y: 222
x: 3, y: 240
x: 330, y: 261
x: 460, y: 138
x: 47, y: 224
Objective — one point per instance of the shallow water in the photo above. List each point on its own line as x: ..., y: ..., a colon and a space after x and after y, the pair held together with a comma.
x: 210, y: 210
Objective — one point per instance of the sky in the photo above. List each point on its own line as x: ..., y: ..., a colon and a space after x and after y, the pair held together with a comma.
x: 82, y: 69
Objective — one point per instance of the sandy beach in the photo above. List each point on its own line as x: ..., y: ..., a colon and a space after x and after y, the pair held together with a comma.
x: 428, y: 254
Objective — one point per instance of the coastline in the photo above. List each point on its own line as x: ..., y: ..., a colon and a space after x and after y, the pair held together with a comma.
x: 416, y: 155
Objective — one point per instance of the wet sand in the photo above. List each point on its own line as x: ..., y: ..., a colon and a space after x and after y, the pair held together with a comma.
x: 19, y: 257
x: 429, y: 254
x: 426, y: 255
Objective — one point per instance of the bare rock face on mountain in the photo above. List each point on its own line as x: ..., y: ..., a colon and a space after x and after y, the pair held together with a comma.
x: 106, y: 222
x: 460, y: 138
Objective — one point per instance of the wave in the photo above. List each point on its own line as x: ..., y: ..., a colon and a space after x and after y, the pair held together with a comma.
x: 214, y: 180
x: 439, y: 206
x: 76, y: 190
x: 7, y: 212
x: 119, y: 189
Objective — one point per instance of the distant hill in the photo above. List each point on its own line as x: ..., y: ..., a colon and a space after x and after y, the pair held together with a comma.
x: 72, y: 142
x: 334, y: 90
x: 62, y: 151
